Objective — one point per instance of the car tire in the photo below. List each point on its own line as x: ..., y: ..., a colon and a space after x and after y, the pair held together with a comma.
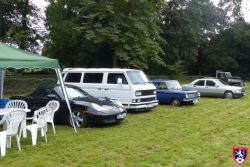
x: 79, y: 119
x: 175, y: 102
x: 228, y: 95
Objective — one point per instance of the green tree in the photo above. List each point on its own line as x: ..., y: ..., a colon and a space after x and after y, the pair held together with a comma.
x: 188, y: 27
x: 230, y: 50
x: 17, y: 21
x: 233, y: 10
x: 127, y: 33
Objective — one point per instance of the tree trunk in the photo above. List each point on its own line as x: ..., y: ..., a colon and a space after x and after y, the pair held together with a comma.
x: 114, y: 61
x: 24, y: 23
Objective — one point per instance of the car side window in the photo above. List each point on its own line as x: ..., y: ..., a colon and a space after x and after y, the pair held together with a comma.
x: 93, y: 78
x: 200, y: 83
x: 210, y: 83
x: 73, y: 77
x: 160, y: 85
x: 44, y: 92
x: 113, y: 78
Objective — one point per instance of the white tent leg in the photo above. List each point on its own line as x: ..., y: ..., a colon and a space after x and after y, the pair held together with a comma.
x: 2, y: 76
x: 59, y: 76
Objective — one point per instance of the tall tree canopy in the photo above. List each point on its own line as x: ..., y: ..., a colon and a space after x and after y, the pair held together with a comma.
x: 17, y: 23
x: 188, y: 27
x: 230, y: 50
x: 127, y: 33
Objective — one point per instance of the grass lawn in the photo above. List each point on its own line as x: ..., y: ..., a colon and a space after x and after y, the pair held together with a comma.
x: 199, y: 135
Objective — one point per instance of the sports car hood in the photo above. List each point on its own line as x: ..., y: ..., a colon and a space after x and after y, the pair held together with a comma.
x: 99, y: 101
x: 102, y: 102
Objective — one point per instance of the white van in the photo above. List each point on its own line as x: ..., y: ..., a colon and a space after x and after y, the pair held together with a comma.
x: 130, y: 86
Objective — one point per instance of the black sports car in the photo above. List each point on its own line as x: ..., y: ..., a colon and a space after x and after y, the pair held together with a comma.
x: 87, y: 110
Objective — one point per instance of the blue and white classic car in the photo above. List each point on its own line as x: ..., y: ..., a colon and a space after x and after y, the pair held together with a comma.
x: 171, y: 92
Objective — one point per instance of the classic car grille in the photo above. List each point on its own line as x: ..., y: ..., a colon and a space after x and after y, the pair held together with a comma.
x: 192, y: 95
x: 147, y: 92
x: 148, y: 99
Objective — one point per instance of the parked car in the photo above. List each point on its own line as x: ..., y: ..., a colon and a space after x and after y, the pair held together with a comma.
x: 130, y: 86
x: 87, y: 110
x: 229, y: 79
x: 212, y: 87
x: 171, y: 92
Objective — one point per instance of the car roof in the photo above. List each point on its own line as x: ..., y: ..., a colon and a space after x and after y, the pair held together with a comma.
x: 98, y: 69
x: 163, y: 80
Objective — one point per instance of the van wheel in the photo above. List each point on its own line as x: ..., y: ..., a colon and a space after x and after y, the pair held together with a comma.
x: 79, y: 119
x: 228, y: 95
x: 175, y: 102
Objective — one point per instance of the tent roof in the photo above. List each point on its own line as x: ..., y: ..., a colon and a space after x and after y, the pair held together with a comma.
x: 16, y: 58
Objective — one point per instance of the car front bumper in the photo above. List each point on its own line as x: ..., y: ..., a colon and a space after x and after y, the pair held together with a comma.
x: 237, y: 95
x: 142, y: 106
x: 96, y: 119
x: 191, y: 100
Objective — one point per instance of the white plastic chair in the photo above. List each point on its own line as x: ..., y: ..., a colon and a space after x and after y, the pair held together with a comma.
x: 12, y: 122
x: 39, y: 122
x: 17, y: 104
x: 54, y: 105
x: 3, y: 136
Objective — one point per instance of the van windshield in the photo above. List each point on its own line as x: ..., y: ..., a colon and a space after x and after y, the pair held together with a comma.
x: 137, y: 77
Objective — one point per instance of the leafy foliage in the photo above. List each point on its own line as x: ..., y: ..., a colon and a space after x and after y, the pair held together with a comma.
x: 128, y: 31
x: 17, y: 24
x: 230, y: 50
x: 188, y: 26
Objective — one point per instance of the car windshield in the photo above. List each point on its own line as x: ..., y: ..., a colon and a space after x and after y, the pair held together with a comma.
x: 72, y: 92
x: 173, y: 85
x: 137, y: 77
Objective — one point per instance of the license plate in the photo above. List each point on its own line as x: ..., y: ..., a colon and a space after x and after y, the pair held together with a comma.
x: 121, y: 116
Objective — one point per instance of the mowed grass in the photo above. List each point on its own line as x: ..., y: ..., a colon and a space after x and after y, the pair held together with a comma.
x: 198, y: 135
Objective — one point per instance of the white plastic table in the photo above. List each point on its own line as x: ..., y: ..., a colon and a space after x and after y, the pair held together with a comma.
x: 4, y: 111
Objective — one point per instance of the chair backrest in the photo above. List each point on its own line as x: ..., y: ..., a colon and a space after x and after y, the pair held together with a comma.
x: 41, y: 115
x: 54, y: 105
x: 17, y: 104
x: 13, y: 120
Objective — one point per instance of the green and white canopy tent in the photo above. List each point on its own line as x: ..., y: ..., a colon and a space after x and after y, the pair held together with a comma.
x: 16, y: 58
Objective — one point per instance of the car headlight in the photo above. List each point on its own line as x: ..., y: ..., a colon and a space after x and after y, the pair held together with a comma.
x: 117, y: 102
x: 154, y: 92
x: 186, y: 95
x: 99, y: 108
x: 138, y: 93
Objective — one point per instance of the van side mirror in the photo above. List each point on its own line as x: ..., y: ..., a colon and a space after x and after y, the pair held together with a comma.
x: 119, y: 81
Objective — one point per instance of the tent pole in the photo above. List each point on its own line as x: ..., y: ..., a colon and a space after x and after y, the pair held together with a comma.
x: 2, y: 76
x: 59, y: 76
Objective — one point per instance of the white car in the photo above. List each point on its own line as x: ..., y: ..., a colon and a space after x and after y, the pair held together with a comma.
x: 212, y: 87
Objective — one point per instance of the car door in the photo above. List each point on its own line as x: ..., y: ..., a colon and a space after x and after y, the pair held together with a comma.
x: 93, y: 83
x: 212, y: 89
x: 200, y: 86
x: 163, y: 94
x: 116, y: 86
